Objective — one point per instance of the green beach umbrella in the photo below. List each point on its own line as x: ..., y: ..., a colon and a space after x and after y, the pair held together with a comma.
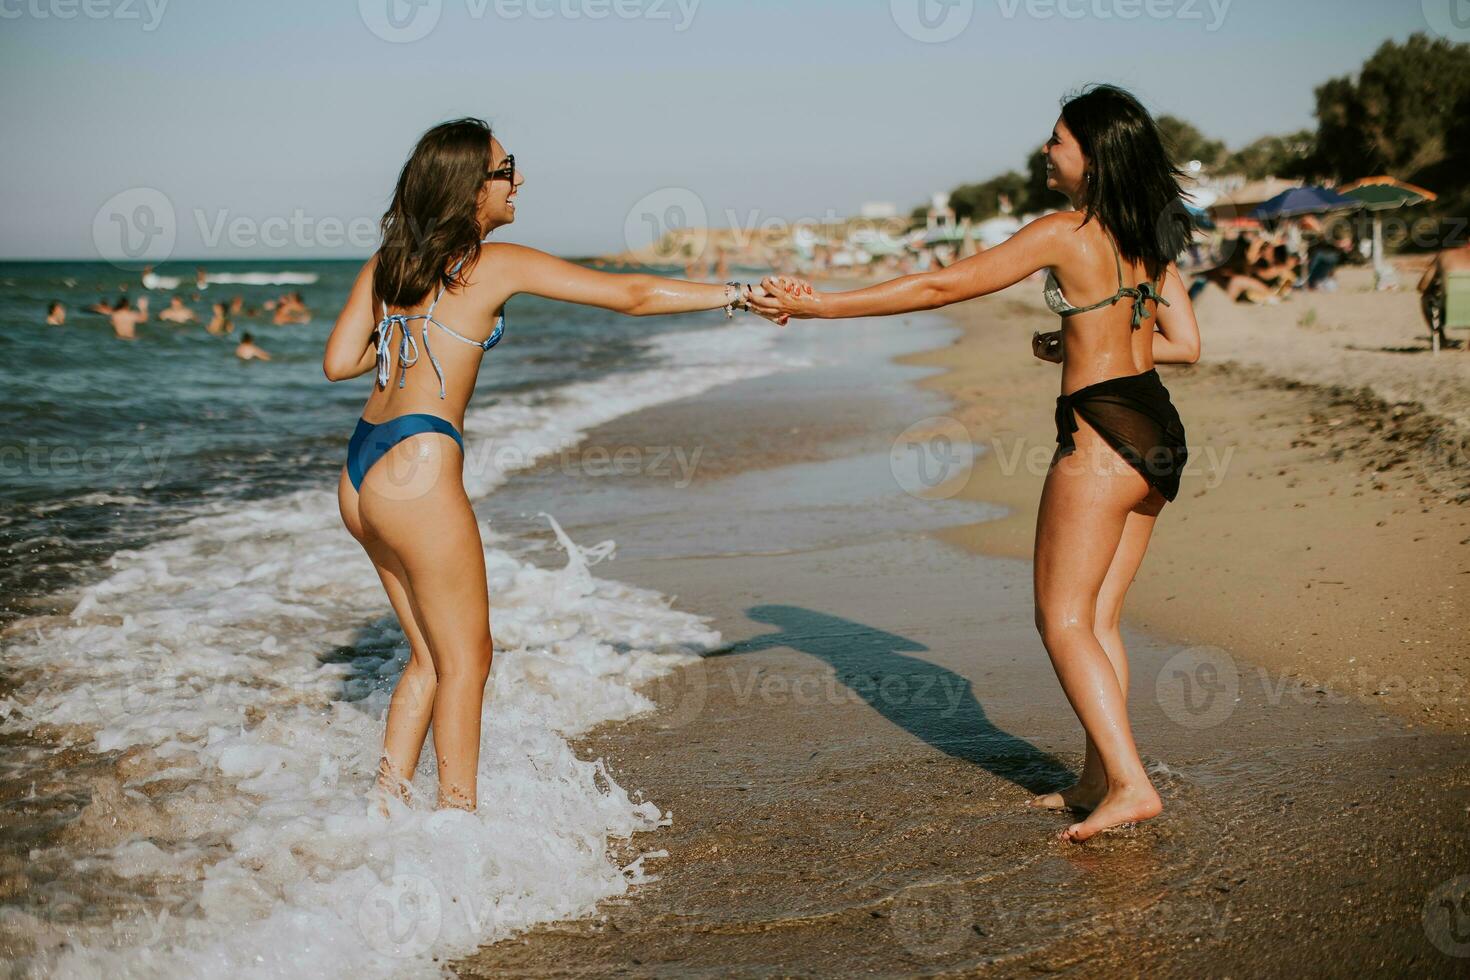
x: 1380, y: 194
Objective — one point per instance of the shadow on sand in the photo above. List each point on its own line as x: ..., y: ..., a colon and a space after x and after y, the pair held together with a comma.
x: 924, y: 699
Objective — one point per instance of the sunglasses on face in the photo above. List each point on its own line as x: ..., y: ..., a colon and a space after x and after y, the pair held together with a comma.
x: 506, y: 170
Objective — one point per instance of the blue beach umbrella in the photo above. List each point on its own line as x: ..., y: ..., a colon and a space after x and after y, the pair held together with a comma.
x: 1304, y: 200
x: 1201, y: 217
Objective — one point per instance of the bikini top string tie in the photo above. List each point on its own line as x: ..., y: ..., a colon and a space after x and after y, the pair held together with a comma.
x: 408, y: 352
x: 1144, y: 292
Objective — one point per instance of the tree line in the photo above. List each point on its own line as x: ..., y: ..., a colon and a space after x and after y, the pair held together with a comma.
x: 1405, y: 113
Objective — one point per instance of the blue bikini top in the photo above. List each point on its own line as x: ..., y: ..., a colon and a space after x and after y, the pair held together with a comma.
x: 408, y: 350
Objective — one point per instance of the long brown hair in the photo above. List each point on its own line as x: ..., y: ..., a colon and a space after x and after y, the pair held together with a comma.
x: 433, y: 217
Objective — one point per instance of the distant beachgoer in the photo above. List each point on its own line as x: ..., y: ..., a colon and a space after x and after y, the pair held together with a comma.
x: 125, y: 317
x: 421, y: 315
x: 150, y: 278
x: 1432, y: 288
x: 1114, y: 413
x: 291, y: 308
x: 1323, y: 260
x: 220, y: 324
x: 177, y: 312
x: 56, y: 314
x: 248, y: 350
x: 201, y: 281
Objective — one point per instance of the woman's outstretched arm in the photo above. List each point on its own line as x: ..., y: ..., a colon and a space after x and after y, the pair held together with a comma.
x: 1036, y: 246
x: 528, y: 270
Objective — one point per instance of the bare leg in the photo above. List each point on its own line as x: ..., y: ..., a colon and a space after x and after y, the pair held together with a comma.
x: 1085, y: 505
x: 1092, y: 786
x: 413, y: 501
x: 412, y: 704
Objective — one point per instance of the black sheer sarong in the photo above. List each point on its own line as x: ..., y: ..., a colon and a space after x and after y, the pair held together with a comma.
x: 1134, y: 414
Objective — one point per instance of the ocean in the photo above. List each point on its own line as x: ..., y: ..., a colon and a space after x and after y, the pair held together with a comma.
x: 197, y: 657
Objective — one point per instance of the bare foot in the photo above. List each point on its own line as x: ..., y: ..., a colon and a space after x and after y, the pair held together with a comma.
x: 1126, y: 805
x: 1082, y: 796
x: 391, y: 783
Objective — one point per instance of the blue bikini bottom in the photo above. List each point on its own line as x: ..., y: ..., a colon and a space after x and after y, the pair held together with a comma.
x: 370, y: 441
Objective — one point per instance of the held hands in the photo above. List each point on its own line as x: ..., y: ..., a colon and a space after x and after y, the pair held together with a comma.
x: 786, y: 297
x: 1047, y: 346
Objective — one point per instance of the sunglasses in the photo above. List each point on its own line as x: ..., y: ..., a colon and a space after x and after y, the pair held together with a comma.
x: 506, y: 170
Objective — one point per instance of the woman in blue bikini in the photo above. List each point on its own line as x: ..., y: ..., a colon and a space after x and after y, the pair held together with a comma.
x: 1127, y: 225
x: 435, y: 290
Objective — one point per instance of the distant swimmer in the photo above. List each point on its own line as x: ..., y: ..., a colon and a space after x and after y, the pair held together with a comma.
x: 238, y: 308
x: 152, y: 280
x: 221, y: 323
x: 291, y: 308
x: 201, y: 281
x: 247, y: 350
x: 56, y: 314
x: 177, y: 312
x: 125, y: 318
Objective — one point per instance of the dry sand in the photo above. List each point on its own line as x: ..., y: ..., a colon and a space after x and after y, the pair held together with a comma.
x: 1321, y: 529
x: 848, y: 779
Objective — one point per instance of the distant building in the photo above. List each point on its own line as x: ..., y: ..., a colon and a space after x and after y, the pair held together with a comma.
x: 940, y: 216
x: 878, y: 210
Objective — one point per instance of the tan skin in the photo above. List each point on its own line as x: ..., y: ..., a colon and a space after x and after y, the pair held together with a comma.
x: 1096, y: 512
x: 412, y: 515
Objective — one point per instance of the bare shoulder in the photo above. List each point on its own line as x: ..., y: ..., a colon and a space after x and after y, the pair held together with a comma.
x: 1060, y: 223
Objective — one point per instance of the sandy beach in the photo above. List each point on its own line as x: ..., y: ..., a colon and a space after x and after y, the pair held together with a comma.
x: 847, y: 778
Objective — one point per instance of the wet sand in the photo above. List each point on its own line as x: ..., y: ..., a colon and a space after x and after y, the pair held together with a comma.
x: 848, y: 779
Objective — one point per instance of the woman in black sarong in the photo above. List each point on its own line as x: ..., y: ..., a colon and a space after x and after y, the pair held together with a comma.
x: 1121, y: 445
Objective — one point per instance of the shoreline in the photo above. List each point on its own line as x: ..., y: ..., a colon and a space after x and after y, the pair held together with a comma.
x: 848, y: 776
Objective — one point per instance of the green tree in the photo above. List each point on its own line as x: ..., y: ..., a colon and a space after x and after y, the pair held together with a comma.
x: 980, y: 201
x: 1185, y: 143
x: 1273, y: 156
x: 1399, y: 115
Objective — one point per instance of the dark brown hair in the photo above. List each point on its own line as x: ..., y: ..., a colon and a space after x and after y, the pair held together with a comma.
x: 432, y: 220
x: 1134, y: 188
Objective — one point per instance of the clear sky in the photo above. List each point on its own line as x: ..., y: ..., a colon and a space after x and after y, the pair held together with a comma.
x: 288, y: 120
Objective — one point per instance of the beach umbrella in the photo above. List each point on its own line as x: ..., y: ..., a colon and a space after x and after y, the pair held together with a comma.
x: 1379, y: 194
x: 1201, y: 217
x: 1246, y: 196
x: 1304, y: 200
x: 950, y: 233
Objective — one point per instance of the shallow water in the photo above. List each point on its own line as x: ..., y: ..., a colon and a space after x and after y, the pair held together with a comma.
x: 198, y: 656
